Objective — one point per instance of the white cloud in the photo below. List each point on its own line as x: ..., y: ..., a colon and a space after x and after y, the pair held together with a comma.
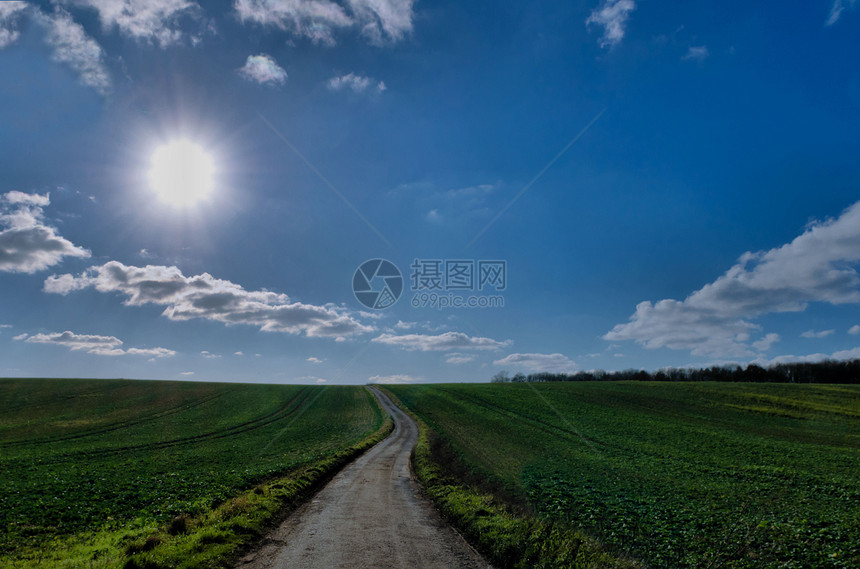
x: 765, y: 343
x: 458, y: 359
x: 76, y: 341
x: 424, y: 325
x: 186, y: 373
x: 18, y: 209
x: 209, y: 355
x: 314, y: 360
x: 612, y: 16
x: 558, y: 363
x: 854, y: 330
x: 814, y: 334
x: 314, y: 19
x: 460, y: 203
x: 152, y: 352
x: 264, y: 70
x: 73, y: 47
x: 152, y: 21
x: 9, y: 9
x: 10, y: 12
x: 238, y: 353
x: 309, y: 378
x: 372, y: 315
x: 696, y: 53
x: 399, y: 378
x: 684, y: 326
x: 70, y: 43
x: 28, y: 245
x: 850, y: 354
x: 836, y: 10
x: 357, y: 83
x: 479, y: 190
x: 93, y: 344
x: 380, y: 21
x: 440, y: 342
x: 203, y: 296
x: 716, y: 319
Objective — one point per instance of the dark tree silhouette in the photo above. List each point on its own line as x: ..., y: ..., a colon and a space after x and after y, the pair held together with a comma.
x: 827, y: 371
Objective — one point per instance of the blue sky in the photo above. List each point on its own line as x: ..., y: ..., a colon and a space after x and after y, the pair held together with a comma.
x: 668, y: 185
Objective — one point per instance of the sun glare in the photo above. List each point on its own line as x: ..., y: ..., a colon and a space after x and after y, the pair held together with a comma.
x: 182, y: 173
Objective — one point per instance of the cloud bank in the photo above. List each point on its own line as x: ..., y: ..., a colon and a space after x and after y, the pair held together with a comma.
x: 93, y: 344
x: 440, y: 342
x: 205, y: 297
x: 380, y: 21
x: 558, y: 363
x: 151, y: 21
x: 393, y: 379
x: 163, y: 23
x: 840, y: 355
x: 716, y: 320
x: 28, y: 245
x: 459, y: 359
x: 10, y: 13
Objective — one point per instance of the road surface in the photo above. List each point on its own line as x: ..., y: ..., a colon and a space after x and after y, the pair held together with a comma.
x: 371, y: 515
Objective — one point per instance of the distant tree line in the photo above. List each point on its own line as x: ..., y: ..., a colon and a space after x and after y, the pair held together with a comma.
x: 828, y: 371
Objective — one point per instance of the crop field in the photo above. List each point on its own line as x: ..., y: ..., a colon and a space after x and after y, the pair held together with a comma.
x: 97, y: 455
x: 672, y: 474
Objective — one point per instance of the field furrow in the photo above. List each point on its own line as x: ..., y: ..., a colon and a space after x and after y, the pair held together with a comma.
x: 676, y: 475
x: 109, y: 456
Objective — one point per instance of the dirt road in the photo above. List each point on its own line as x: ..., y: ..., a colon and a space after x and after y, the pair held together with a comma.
x: 371, y: 515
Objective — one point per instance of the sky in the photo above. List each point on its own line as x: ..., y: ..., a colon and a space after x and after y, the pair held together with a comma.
x: 353, y: 191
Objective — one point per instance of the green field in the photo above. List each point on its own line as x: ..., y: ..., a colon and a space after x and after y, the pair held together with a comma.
x: 672, y: 474
x: 90, y: 456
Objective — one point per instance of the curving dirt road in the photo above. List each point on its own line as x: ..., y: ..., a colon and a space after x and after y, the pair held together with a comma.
x: 372, y: 515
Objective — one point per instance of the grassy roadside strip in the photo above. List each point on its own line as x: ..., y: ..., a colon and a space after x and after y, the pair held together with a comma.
x: 210, y: 539
x: 510, y: 539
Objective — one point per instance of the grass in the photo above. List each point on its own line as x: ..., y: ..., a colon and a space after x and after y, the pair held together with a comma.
x: 163, y: 474
x: 675, y: 475
x: 506, y: 536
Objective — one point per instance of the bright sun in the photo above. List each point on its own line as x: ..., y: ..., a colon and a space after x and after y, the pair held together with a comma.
x: 182, y: 173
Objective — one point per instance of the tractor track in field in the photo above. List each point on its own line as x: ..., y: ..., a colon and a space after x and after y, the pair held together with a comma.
x: 294, y: 405
x: 115, y: 426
